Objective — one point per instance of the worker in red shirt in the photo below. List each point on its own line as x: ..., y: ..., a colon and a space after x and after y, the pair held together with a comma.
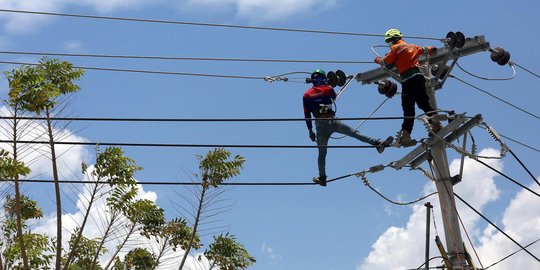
x: 318, y: 100
x: 404, y: 57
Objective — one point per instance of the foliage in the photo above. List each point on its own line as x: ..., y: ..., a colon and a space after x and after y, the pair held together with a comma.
x: 147, y: 214
x: 36, y: 88
x: 178, y: 234
x: 115, y: 167
x: 10, y: 168
x: 86, y: 249
x: 215, y: 168
x: 136, y: 259
x: 228, y: 254
x: 38, y: 247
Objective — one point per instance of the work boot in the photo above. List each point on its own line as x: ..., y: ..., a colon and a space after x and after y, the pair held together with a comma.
x: 321, y: 180
x: 383, y: 144
x: 435, y: 126
x: 405, y: 139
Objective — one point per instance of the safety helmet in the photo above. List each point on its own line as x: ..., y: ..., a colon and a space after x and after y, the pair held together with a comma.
x: 392, y: 35
x: 318, y: 71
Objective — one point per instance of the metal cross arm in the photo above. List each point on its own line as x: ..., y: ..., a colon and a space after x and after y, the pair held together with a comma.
x: 419, y: 154
x: 439, y: 57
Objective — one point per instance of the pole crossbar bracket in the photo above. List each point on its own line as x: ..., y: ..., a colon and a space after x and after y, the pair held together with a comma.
x: 454, y: 130
x: 440, y: 57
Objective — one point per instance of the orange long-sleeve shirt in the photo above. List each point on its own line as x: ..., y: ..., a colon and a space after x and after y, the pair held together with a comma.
x: 404, y: 55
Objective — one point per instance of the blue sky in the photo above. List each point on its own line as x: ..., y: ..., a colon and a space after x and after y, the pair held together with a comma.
x: 344, y: 225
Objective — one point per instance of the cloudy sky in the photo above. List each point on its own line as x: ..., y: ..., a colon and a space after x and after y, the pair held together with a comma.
x: 342, y: 226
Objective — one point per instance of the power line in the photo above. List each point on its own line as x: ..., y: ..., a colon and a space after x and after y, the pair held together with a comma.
x: 507, y: 177
x: 511, y: 254
x: 524, y: 167
x: 499, y: 99
x: 109, y: 119
x: 149, y: 71
x: 166, y: 183
x: 173, y: 183
x: 187, y: 58
x: 534, y: 74
x: 202, y: 24
x: 520, y: 143
x: 192, y: 145
x: 496, y: 227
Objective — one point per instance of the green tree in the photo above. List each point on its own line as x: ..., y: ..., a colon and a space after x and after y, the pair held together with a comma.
x: 112, y: 169
x: 136, y: 259
x: 227, y: 254
x: 86, y: 248
x: 214, y: 169
x: 38, y: 247
x: 37, y: 89
x: 11, y: 168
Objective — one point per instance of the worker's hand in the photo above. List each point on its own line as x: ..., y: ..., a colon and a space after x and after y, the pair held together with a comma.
x: 432, y: 49
x: 312, y: 136
x: 378, y: 59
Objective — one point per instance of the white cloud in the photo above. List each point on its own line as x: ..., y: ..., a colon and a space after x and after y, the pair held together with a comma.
x: 74, y: 47
x: 265, y: 10
x: 37, y: 156
x: 269, y: 251
x: 477, y: 187
x: 521, y: 221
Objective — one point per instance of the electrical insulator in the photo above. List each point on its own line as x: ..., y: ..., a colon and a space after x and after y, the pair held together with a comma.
x: 387, y: 88
x: 456, y: 39
x: 500, y: 56
x: 336, y: 78
x: 435, y: 70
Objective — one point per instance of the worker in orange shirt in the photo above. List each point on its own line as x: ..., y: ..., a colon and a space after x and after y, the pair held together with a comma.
x: 404, y: 57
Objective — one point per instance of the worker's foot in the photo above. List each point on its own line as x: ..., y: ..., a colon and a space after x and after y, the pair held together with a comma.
x: 321, y: 180
x: 405, y: 139
x: 383, y: 144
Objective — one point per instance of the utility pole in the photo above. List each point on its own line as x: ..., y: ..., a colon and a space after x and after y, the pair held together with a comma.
x: 434, y: 149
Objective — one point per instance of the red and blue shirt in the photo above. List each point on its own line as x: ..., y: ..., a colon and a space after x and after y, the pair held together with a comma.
x: 315, y: 97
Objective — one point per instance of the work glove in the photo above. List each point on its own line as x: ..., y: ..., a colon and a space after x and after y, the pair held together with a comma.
x: 378, y: 59
x: 312, y: 136
x: 432, y: 49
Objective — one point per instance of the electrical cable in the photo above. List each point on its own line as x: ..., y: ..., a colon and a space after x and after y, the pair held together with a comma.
x: 203, y: 24
x: 166, y: 183
x: 489, y: 79
x: 534, y: 74
x: 149, y: 71
x: 173, y: 183
x: 109, y: 119
x: 496, y: 227
x: 524, y: 167
x: 145, y: 57
x: 364, y: 120
x: 520, y: 143
x: 400, y: 203
x: 511, y: 254
x: 469, y: 239
x: 507, y: 177
x: 499, y: 99
x: 192, y: 145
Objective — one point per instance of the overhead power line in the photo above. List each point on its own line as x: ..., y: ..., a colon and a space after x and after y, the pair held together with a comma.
x: 191, y: 145
x: 105, y: 119
x: 496, y: 227
x: 532, y: 73
x: 498, y: 98
x: 166, y: 183
x: 147, y: 57
x: 142, y: 20
x: 507, y: 177
x: 149, y: 71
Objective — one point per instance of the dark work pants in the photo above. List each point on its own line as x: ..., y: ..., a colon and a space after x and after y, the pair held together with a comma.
x: 414, y: 91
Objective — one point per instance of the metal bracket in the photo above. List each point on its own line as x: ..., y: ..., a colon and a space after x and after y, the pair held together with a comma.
x: 440, y: 57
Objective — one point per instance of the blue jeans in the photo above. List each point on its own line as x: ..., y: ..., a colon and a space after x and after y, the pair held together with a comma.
x: 325, y: 128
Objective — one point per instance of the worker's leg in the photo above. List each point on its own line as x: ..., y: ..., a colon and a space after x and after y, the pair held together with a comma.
x: 407, y: 103
x: 343, y: 128
x: 323, y: 134
x: 418, y: 83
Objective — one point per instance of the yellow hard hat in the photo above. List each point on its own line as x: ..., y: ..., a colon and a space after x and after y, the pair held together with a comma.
x: 391, y: 33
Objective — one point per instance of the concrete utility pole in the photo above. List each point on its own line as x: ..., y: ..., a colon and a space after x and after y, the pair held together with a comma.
x: 434, y: 149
